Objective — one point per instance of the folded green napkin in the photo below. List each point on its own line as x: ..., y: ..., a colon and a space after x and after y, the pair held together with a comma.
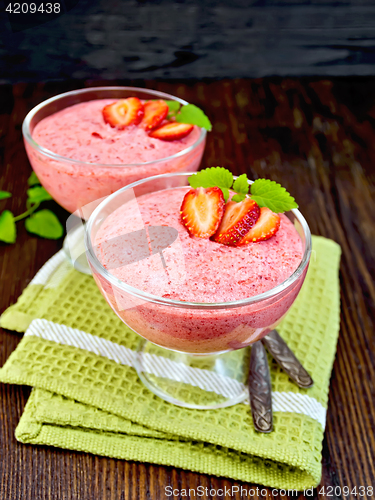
x: 79, y: 358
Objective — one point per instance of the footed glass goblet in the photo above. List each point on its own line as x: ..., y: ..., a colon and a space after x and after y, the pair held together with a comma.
x: 76, y: 184
x: 192, y: 354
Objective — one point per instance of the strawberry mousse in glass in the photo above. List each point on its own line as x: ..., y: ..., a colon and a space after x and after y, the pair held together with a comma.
x: 197, y: 304
x: 82, y: 150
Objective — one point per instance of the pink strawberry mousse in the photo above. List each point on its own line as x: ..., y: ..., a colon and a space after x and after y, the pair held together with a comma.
x: 118, y: 157
x: 213, y: 273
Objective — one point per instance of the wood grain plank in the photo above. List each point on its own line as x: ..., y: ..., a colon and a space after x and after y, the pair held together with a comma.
x: 316, y: 138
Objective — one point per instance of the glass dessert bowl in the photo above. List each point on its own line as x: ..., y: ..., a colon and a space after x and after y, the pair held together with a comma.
x: 74, y: 183
x: 198, y: 336
x: 79, y: 158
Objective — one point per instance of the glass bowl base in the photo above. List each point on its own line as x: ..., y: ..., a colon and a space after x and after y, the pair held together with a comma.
x: 202, y: 382
x: 74, y: 248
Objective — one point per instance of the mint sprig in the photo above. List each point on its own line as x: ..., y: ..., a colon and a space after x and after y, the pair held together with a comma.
x: 7, y: 227
x: 265, y: 192
x: 173, y: 106
x: 241, y: 187
x: 194, y: 116
x: 4, y: 195
x: 33, y: 179
x: 188, y: 114
x: 213, y: 177
x: 37, y: 194
x: 272, y: 195
x: 43, y: 222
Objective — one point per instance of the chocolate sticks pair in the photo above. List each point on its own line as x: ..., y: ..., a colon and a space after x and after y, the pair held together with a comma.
x: 259, y: 377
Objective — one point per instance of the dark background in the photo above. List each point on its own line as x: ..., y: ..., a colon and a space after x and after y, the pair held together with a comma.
x: 163, y: 39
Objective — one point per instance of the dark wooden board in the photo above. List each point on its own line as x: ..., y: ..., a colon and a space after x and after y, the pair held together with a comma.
x: 315, y: 137
x: 190, y: 39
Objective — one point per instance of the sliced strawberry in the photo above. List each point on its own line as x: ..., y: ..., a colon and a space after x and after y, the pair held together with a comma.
x: 172, y: 131
x: 267, y: 225
x: 155, y: 113
x: 238, y: 219
x: 123, y: 113
x: 202, y: 210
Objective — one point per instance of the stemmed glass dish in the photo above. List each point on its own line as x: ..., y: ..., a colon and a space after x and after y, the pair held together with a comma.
x: 75, y: 184
x: 188, y: 339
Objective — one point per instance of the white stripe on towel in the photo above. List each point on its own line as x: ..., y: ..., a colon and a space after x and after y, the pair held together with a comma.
x: 163, y: 367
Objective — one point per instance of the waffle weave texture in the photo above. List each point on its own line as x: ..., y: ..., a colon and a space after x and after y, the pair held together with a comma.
x: 87, y: 398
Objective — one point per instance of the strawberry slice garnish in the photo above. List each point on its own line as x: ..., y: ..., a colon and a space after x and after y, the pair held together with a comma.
x: 202, y: 210
x: 238, y: 219
x: 266, y: 226
x: 123, y: 113
x: 155, y: 113
x: 171, y: 131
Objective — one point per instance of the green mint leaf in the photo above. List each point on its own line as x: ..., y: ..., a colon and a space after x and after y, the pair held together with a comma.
x: 238, y: 197
x: 173, y: 106
x: 221, y: 177
x: 37, y: 194
x: 270, y: 194
x: 193, y: 115
x: 45, y: 224
x: 33, y: 179
x: 211, y: 177
x: 5, y: 194
x: 225, y: 193
x: 7, y: 227
x: 241, y: 186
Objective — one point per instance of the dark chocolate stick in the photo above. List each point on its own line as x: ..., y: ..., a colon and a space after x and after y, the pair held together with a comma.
x: 285, y: 357
x: 260, y: 389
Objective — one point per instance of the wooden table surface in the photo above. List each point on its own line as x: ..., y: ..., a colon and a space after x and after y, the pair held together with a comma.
x: 315, y: 137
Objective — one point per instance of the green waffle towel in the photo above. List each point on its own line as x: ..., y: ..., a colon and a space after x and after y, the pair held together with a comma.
x: 79, y: 357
